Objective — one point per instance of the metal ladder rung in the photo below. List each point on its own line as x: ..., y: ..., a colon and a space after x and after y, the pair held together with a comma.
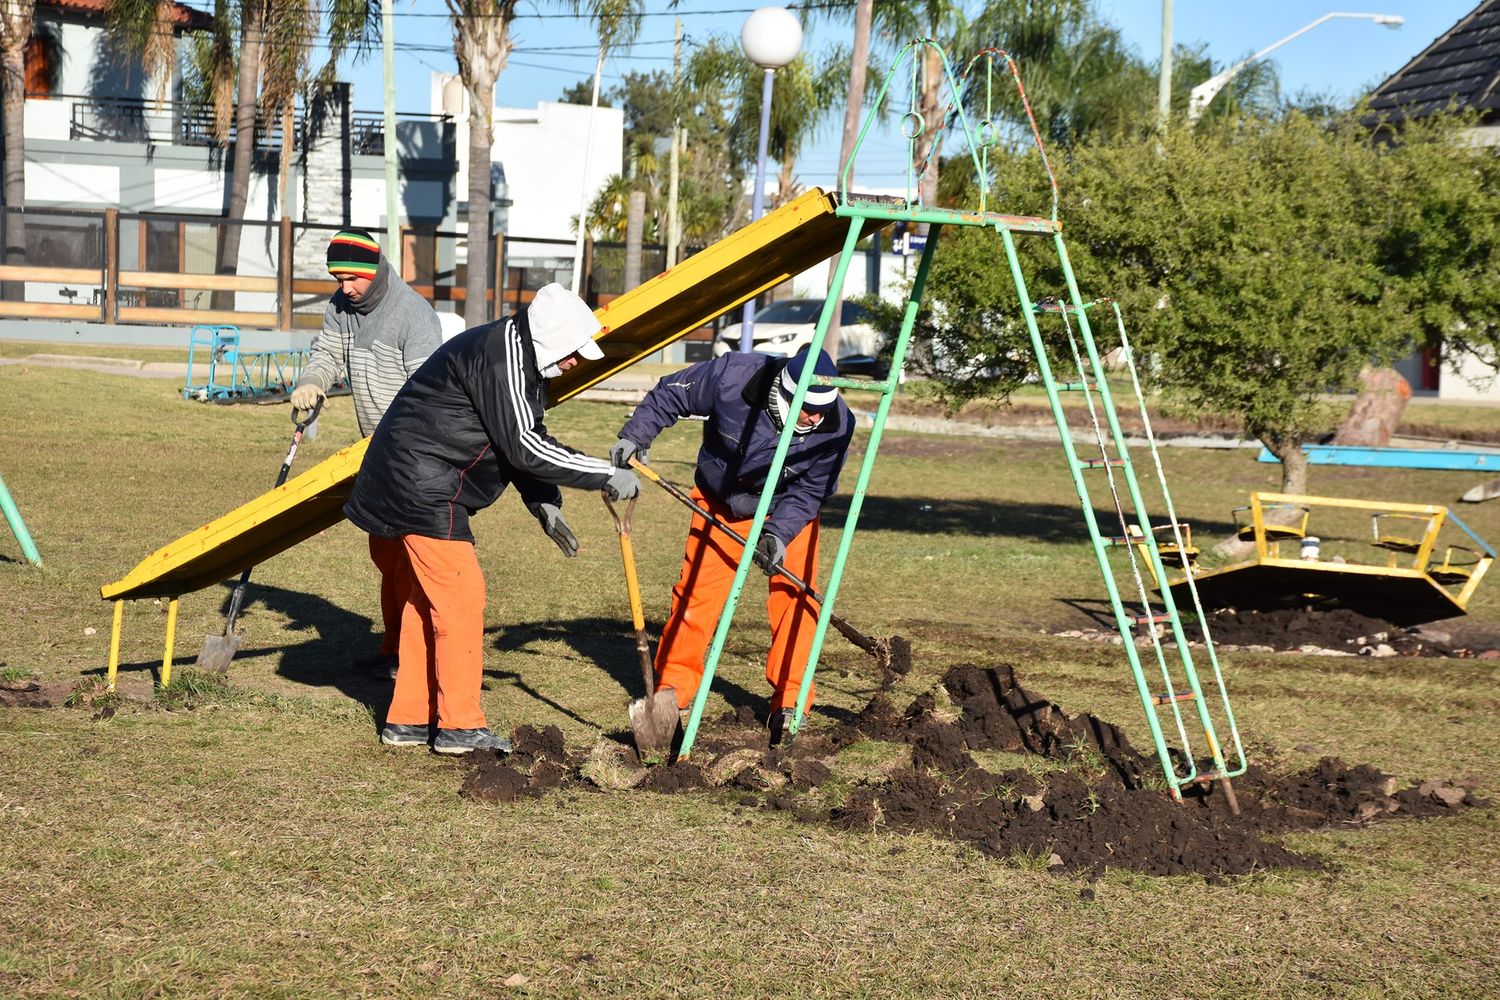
x: 1167, y: 699
x: 1101, y: 463
x: 1140, y: 620
x: 1206, y: 777
x: 1076, y: 387
x: 1141, y: 539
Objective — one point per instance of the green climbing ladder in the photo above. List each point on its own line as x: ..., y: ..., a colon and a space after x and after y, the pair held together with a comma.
x: 1141, y: 621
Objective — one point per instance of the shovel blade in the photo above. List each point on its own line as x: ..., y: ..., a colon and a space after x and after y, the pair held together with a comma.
x: 217, y: 651
x: 653, y: 720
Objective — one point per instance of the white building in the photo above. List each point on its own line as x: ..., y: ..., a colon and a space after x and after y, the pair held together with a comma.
x: 540, y: 158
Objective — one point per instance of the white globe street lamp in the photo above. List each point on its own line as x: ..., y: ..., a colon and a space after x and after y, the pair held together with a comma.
x: 1204, y: 93
x: 771, y: 38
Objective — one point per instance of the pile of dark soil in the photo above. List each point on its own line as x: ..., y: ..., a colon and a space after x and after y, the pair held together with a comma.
x: 1343, y: 630
x: 27, y: 694
x: 1100, y: 804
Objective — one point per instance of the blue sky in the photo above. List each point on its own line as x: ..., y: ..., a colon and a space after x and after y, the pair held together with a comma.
x: 1344, y: 57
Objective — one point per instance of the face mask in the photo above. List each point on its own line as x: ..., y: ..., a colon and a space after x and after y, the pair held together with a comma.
x: 780, y: 409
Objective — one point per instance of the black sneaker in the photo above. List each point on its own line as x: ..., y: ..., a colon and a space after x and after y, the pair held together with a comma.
x: 380, y: 667
x: 396, y: 735
x: 780, y: 724
x: 457, y: 741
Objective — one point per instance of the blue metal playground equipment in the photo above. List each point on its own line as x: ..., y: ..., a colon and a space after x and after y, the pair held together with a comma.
x: 235, y: 375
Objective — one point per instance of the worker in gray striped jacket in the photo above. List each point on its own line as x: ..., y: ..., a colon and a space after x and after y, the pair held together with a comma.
x: 376, y: 332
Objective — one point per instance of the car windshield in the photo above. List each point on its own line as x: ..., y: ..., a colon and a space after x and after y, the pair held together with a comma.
x: 793, y: 311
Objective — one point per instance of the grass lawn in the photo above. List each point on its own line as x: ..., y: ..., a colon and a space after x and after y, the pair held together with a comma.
x: 253, y: 838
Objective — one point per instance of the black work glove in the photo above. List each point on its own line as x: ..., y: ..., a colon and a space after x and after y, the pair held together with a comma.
x: 769, y: 552
x: 622, y: 485
x: 620, y: 454
x: 550, y: 516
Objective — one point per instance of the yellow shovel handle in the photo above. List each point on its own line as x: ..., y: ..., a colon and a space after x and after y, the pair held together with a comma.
x: 627, y: 555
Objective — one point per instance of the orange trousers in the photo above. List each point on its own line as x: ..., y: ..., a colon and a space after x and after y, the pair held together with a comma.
x: 708, y: 565
x: 389, y: 557
x: 442, y: 637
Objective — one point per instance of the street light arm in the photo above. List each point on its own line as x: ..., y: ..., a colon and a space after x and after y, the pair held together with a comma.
x: 1201, y: 95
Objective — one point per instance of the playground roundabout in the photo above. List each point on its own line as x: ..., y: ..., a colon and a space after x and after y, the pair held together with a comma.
x: 1049, y: 790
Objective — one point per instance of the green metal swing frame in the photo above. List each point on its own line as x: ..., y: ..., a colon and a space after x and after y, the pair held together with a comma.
x: 1179, y: 673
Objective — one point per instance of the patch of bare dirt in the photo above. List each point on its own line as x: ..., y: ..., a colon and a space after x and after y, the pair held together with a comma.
x: 1104, y: 808
x: 1347, y: 631
x: 32, y: 694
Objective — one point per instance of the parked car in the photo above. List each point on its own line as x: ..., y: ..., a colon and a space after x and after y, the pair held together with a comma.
x: 786, y: 327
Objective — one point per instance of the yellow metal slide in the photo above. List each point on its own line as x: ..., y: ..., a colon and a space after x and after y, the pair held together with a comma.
x: 636, y: 325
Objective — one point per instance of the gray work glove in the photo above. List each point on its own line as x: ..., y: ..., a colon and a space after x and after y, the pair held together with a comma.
x: 550, y: 516
x: 623, y: 450
x: 622, y: 485
x: 769, y: 552
x: 306, y: 396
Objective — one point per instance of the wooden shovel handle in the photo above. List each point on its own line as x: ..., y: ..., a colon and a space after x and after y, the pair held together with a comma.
x: 633, y: 586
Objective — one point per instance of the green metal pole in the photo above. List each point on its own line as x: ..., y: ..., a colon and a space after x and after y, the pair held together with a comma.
x: 18, y: 526
x: 857, y: 501
x: 773, y: 476
x: 1168, y: 603
x: 1044, y: 368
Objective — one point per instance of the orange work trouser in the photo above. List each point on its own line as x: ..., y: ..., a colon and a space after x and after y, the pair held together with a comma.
x: 389, y: 557
x: 708, y: 565
x: 442, y: 637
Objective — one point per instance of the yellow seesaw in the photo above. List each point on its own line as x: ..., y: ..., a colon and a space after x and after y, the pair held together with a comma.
x: 639, y: 323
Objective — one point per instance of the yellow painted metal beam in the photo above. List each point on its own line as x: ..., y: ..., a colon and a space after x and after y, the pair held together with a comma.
x: 636, y: 325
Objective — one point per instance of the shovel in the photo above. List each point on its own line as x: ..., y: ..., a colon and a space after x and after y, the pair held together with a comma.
x: 653, y: 718
x: 878, y: 648
x: 218, y: 650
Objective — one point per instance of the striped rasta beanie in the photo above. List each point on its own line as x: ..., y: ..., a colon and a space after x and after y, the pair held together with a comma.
x: 353, y: 251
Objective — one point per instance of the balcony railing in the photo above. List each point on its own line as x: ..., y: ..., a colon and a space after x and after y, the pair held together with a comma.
x: 132, y: 119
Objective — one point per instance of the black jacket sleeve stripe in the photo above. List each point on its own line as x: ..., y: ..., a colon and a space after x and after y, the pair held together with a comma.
x: 536, y: 448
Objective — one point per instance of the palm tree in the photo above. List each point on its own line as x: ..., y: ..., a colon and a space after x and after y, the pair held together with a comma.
x: 271, y: 66
x: 15, y: 31
x: 482, y: 43
x: 617, y: 23
x: 804, y: 94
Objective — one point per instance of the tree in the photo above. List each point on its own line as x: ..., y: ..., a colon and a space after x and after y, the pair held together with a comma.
x: 617, y: 23
x: 804, y: 93
x: 578, y: 92
x: 269, y: 69
x: 15, y: 31
x: 482, y: 44
x: 1246, y: 257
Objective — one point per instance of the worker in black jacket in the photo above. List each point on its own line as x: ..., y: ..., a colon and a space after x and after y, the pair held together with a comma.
x: 465, y: 426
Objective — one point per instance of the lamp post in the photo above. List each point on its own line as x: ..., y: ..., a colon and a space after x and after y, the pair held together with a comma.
x: 1205, y: 91
x: 771, y: 38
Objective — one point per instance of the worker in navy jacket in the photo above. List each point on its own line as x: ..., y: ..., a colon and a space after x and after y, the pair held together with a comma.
x: 746, y: 400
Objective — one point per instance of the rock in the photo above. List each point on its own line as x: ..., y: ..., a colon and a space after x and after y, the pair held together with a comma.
x: 731, y: 765
x: 1380, y: 649
x: 1490, y: 654
x: 1389, y: 785
x: 1054, y: 860
x: 1449, y: 796
x: 1034, y: 802
x: 612, y: 767
x: 1433, y: 634
x: 1258, y: 649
